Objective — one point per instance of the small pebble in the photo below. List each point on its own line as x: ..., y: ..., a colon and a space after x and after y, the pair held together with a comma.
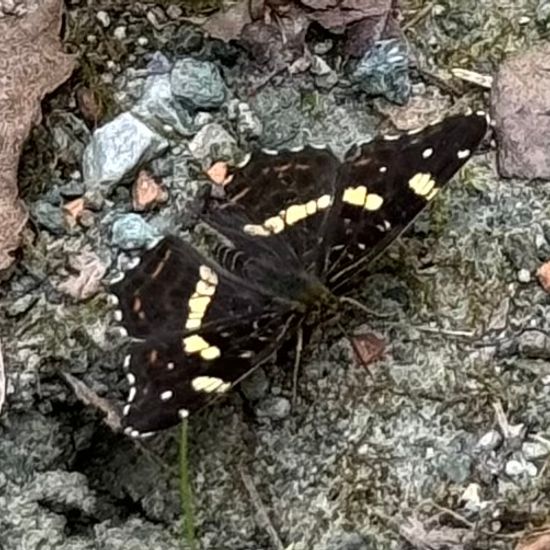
x: 471, y: 496
x: 533, y: 450
x: 132, y: 231
x: 103, y: 18
x: 489, y: 441
x: 524, y: 276
x: 275, y: 408
x: 120, y: 33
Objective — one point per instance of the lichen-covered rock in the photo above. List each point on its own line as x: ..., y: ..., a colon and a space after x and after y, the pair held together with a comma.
x: 198, y: 84
x: 117, y: 149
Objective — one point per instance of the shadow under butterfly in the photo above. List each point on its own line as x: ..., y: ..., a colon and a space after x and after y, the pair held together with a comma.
x: 299, y: 229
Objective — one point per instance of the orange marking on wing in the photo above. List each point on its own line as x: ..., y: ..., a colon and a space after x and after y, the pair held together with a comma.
x: 136, y: 306
x: 161, y: 265
x: 153, y: 356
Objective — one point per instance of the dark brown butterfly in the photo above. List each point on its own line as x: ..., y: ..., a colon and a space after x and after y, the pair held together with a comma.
x: 298, y: 228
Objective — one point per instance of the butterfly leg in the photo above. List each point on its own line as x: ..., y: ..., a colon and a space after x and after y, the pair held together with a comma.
x: 358, y: 305
x: 297, y: 361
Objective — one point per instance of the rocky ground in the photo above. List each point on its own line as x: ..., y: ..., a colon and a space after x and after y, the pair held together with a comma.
x: 442, y: 443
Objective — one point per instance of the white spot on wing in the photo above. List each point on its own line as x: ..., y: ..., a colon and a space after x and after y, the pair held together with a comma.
x: 463, y: 154
x: 183, y: 413
x: 427, y: 153
x: 166, y: 395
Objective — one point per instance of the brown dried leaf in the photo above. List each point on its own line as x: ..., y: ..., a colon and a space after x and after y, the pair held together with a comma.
x: 88, y: 280
x: 543, y: 275
x: 146, y: 192
x: 72, y: 211
x: 539, y: 541
x: 368, y: 347
x: 32, y: 65
x: 89, y: 105
x: 219, y: 173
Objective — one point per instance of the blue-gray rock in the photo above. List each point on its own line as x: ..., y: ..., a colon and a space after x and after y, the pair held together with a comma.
x: 213, y: 143
x: 159, y: 109
x: 158, y: 63
x: 117, y: 149
x: 131, y: 231
x: 70, y: 136
x: 248, y: 123
x: 49, y: 217
x: 384, y: 71
x: 198, y: 84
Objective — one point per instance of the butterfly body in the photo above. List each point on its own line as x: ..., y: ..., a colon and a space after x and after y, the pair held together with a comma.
x: 297, y: 230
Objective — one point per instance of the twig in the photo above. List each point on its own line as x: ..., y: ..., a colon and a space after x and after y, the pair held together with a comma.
x: 89, y: 397
x: 420, y: 14
x: 357, y: 304
x: 260, y: 510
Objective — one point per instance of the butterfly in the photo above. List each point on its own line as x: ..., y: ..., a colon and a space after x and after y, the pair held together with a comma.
x: 298, y: 229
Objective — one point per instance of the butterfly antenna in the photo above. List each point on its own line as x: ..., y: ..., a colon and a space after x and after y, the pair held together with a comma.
x: 358, y: 305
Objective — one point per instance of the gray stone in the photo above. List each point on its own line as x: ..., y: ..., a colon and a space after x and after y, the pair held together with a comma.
x: 490, y: 441
x: 159, y: 109
x: 533, y: 450
x: 275, y: 408
x: 198, y: 84
x: 384, y: 71
x: 49, y: 217
x: 213, y: 143
x: 248, y: 123
x: 131, y: 231
x: 117, y: 149
x: 255, y: 385
x: 521, y: 91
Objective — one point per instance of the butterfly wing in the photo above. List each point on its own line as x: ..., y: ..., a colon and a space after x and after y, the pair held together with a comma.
x: 201, y: 328
x: 385, y: 184
x: 287, y: 194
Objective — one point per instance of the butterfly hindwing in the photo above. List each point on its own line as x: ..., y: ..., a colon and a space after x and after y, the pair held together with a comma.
x: 201, y: 329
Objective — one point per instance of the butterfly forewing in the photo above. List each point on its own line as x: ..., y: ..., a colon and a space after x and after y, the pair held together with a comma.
x: 288, y: 195
x: 385, y: 184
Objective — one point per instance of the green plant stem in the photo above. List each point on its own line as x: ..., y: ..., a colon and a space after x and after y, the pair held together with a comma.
x: 186, y: 493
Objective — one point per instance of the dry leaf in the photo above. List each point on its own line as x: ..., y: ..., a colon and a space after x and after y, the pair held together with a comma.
x: 89, y: 105
x: 219, y: 173
x: 146, y: 192
x: 73, y: 210
x: 543, y: 275
x: 88, y: 280
x: 539, y: 541
x: 368, y: 347
x: 32, y: 65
